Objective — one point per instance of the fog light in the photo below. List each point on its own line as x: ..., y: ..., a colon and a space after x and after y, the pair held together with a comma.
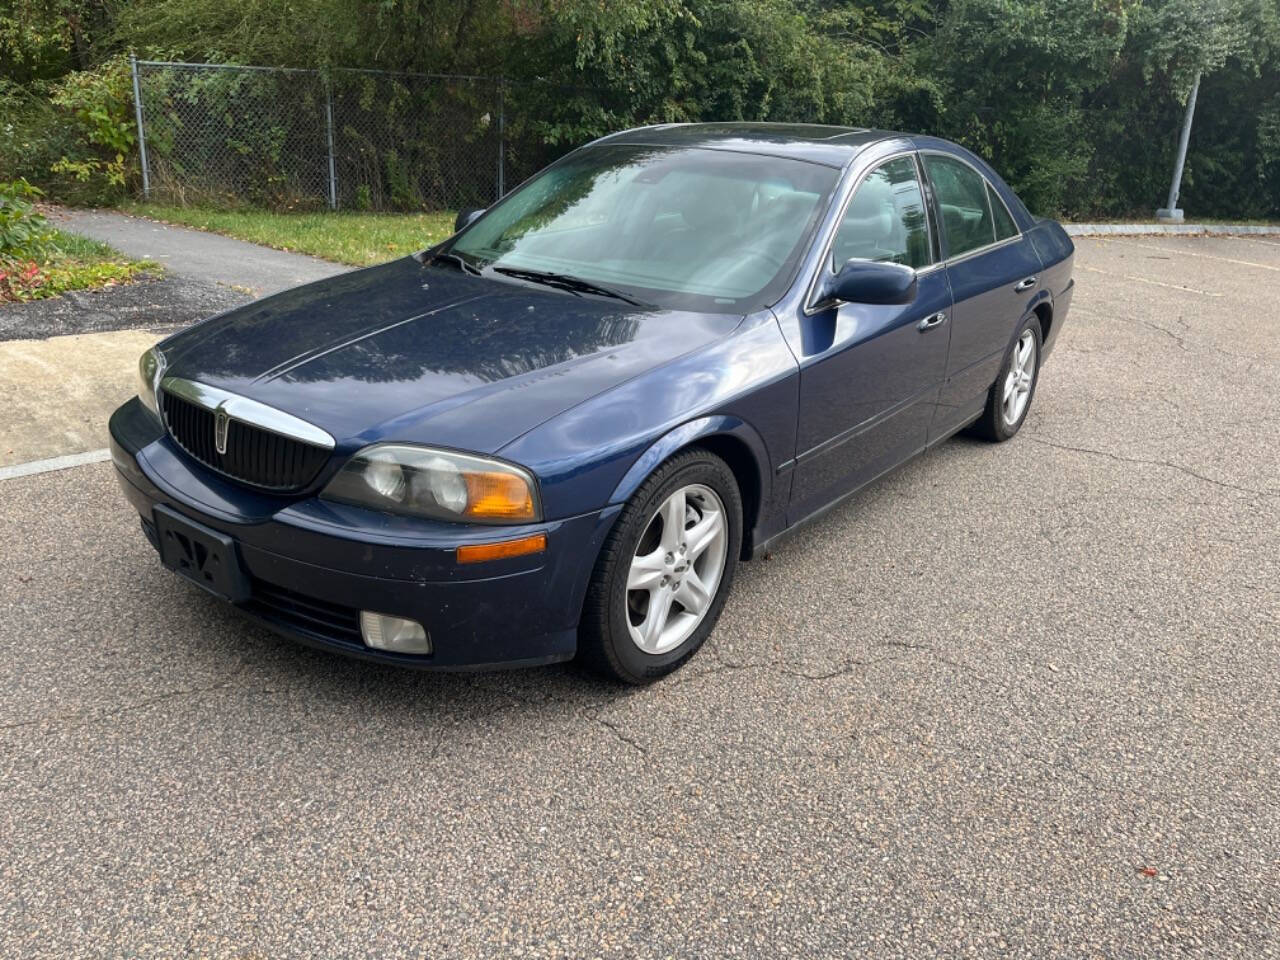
x: 395, y: 634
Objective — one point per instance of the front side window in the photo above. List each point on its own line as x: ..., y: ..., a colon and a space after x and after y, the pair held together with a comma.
x: 885, y: 220
x: 961, y: 193
x: 698, y: 228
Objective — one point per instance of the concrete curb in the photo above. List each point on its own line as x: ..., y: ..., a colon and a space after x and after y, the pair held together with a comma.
x: 1130, y: 229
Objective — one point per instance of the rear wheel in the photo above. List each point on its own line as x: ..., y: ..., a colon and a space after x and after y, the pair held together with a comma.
x: 1010, y: 396
x: 662, y: 577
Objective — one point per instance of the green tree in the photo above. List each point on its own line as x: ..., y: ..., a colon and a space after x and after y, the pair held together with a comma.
x: 1077, y: 102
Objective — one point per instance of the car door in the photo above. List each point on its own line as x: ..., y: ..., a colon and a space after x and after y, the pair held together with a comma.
x: 992, y: 270
x: 870, y: 374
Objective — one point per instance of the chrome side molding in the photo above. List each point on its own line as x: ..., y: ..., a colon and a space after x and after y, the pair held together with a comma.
x: 247, y: 411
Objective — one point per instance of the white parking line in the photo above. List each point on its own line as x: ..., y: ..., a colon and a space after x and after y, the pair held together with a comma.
x: 53, y: 463
x: 1156, y: 283
x: 1189, y: 253
x: 1265, y: 243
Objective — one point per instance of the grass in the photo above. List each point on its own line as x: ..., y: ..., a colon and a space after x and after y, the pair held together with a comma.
x: 359, y: 239
x: 69, y: 262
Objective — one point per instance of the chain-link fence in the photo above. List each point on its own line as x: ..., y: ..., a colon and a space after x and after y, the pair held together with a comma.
x: 298, y: 139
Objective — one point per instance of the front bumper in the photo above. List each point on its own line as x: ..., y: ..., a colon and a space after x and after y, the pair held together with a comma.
x: 313, y: 566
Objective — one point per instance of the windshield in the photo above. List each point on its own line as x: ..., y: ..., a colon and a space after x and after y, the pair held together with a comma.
x: 693, y: 229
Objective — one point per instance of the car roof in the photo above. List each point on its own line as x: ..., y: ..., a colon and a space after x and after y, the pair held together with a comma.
x: 815, y: 142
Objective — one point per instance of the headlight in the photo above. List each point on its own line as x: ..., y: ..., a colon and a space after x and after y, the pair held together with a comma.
x: 150, y: 369
x: 440, y: 484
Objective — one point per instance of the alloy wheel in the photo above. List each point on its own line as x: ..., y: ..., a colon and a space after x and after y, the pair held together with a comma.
x: 1021, y: 377
x: 677, y: 568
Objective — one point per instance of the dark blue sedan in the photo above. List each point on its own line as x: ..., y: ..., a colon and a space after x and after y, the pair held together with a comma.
x: 559, y: 431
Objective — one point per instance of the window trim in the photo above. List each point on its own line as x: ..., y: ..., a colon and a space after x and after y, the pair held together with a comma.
x: 989, y: 189
x: 931, y: 208
x: 825, y: 266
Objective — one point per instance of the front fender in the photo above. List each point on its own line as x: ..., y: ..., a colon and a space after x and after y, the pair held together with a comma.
x: 689, y: 433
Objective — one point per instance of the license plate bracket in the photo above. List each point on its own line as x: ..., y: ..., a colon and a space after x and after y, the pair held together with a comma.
x: 205, y: 557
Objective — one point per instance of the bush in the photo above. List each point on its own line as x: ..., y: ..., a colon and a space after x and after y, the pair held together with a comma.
x: 32, y: 137
x: 24, y: 239
x: 99, y: 104
x: 37, y: 261
x: 24, y: 232
x: 75, y: 138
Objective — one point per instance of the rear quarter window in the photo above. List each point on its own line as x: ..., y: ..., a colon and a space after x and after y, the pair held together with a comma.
x: 962, y: 200
x: 1005, y: 227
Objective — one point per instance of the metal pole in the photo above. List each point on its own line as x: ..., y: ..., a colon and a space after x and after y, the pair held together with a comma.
x: 142, y: 132
x: 1170, y: 211
x: 502, y: 144
x: 328, y: 123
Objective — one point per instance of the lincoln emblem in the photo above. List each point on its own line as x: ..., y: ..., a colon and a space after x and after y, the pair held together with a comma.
x: 220, y: 424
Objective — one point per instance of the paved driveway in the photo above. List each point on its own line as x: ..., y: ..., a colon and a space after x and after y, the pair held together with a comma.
x: 206, y: 257
x: 1011, y: 701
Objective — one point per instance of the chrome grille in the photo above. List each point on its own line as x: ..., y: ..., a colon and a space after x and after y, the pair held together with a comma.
x: 253, y: 455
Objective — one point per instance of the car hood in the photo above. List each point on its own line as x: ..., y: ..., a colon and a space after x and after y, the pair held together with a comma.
x: 418, y: 353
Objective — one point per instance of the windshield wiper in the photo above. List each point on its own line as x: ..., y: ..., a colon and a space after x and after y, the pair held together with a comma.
x: 565, y: 281
x: 457, y: 258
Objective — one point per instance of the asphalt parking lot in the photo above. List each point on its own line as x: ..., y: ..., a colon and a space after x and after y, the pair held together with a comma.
x: 1017, y: 700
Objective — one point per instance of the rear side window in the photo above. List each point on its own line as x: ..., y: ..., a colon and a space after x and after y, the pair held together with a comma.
x: 962, y: 199
x: 885, y: 220
x: 1005, y: 227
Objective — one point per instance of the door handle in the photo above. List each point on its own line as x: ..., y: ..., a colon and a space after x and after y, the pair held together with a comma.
x: 928, y: 323
x: 1026, y: 284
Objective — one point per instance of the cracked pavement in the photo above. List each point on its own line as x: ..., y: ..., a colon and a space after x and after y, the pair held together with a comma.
x: 1016, y: 700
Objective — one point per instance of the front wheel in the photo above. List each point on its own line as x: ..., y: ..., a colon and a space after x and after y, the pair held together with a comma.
x: 1011, y: 394
x: 663, y: 574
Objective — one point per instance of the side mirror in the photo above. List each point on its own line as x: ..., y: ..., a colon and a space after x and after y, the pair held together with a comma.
x: 871, y: 281
x: 466, y: 217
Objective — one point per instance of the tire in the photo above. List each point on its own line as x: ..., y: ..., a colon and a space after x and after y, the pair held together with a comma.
x: 637, y: 575
x: 996, y: 423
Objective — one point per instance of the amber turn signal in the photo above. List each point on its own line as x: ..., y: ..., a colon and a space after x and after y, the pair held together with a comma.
x: 498, y: 496
x: 479, y: 552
